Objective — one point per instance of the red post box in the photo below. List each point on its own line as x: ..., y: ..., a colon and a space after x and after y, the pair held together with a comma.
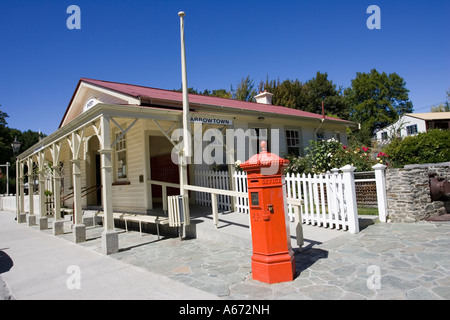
x: 273, y: 258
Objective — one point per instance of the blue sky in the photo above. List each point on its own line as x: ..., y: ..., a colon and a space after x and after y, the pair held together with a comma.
x: 138, y: 42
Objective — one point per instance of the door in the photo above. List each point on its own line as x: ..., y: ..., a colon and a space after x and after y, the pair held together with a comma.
x: 98, y: 179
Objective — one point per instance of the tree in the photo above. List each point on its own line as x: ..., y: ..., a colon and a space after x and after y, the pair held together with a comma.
x: 220, y: 93
x: 4, y: 138
x: 447, y: 103
x: 7, y: 135
x: 308, y: 96
x: 287, y: 93
x: 376, y: 100
x: 3, y: 117
x: 443, y: 107
x: 245, y: 90
x: 319, y: 89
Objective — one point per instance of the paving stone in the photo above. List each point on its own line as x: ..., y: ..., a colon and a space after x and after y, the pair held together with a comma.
x: 443, y: 292
x: 323, y: 292
x: 412, y: 258
x: 420, y: 294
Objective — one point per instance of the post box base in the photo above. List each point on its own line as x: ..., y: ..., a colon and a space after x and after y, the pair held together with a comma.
x: 280, y: 270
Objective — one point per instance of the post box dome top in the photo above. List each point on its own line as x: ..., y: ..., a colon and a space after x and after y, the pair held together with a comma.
x: 264, y: 159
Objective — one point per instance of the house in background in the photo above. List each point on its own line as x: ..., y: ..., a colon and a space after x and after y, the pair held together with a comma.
x: 413, y: 123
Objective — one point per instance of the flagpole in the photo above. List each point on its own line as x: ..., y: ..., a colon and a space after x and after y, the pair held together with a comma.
x: 186, y: 130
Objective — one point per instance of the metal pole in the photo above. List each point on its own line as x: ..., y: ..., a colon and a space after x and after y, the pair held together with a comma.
x: 7, y: 178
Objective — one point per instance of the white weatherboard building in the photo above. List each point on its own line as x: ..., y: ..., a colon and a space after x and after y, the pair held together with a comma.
x: 413, y: 123
x: 114, y: 144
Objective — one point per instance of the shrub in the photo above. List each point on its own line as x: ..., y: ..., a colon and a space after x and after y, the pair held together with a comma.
x: 298, y: 165
x: 322, y: 155
x: 325, y: 155
x: 430, y: 147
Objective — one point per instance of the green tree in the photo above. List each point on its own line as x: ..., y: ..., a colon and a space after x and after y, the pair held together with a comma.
x: 376, y: 100
x: 308, y: 96
x: 443, y: 107
x: 4, y: 138
x: 287, y: 93
x: 319, y: 89
x: 447, y: 103
x: 245, y: 90
x: 3, y: 116
x: 220, y: 93
x: 7, y: 135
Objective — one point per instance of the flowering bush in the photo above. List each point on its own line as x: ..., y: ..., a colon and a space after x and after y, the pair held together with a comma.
x: 359, y: 157
x: 322, y: 155
x: 383, y: 158
x: 298, y: 165
x: 325, y: 155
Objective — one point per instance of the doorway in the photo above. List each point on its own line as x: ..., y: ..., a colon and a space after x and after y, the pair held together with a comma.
x: 93, y: 174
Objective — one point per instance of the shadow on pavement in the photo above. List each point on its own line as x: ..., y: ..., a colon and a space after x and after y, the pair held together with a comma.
x: 306, y: 258
x: 6, y: 262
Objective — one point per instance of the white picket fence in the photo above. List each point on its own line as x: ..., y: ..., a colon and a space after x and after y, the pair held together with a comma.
x: 240, y: 181
x: 215, y: 180
x: 328, y: 200
x: 325, y: 199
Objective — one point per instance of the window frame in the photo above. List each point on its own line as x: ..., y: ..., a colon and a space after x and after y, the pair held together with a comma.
x: 320, y: 133
x: 297, y: 139
x: 120, y: 147
x: 410, y: 131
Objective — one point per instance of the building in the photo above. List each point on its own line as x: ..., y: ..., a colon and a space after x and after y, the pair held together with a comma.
x: 413, y: 123
x: 116, y: 141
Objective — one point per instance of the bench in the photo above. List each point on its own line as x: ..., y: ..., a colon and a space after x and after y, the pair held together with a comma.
x: 140, y: 218
x: 67, y: 211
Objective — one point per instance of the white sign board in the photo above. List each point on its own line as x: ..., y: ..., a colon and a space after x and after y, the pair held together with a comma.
x: 206, y: 120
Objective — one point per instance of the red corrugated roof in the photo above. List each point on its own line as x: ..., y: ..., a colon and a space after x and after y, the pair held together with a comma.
x: 174, y: 96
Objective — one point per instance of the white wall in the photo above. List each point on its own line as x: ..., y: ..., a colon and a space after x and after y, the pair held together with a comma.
x: 132, y: 196
x: 404, y: 122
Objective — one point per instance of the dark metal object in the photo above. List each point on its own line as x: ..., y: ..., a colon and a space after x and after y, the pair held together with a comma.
x: 439, y: 188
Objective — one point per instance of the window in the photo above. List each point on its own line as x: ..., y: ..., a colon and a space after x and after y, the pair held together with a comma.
x: 384, y: 136
x: 438, y: 124
x: 410, y: 130
x: 293, y: 142
x: 121, y: 157
x: 320, y: 136
x: 262, y: 134
x: 336, y: 136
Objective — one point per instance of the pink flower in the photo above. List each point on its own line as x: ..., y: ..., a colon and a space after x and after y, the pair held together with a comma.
x: 365, y: 149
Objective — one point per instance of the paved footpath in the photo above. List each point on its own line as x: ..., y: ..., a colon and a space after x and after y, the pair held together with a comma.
x: 383, y: 261
x: 36, y: 265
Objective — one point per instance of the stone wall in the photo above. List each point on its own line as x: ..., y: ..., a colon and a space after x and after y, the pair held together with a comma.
x: 408, y: 192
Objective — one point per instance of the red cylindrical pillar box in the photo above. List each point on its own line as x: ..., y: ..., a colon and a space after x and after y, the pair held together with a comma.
x: 273, y: 258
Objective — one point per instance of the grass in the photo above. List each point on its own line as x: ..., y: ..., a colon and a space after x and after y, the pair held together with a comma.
x: 368, y: 211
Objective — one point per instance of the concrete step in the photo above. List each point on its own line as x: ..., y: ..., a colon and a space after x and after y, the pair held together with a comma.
x: 367, y: 220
